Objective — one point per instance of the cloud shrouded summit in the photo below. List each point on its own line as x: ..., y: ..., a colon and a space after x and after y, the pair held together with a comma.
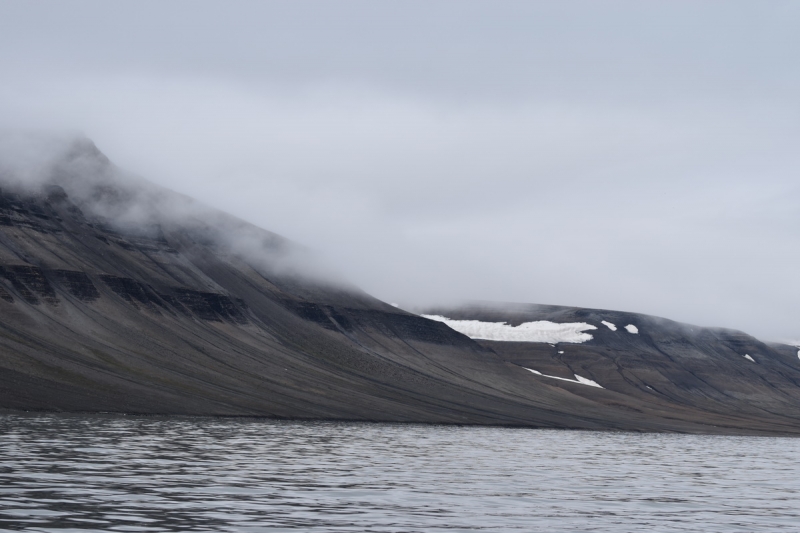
x: 73, y: 169
x: 617, y: 155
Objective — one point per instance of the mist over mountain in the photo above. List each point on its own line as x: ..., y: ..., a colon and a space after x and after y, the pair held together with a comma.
x: 117, y: 295
x: 38, y: 163
x: 612, y: 155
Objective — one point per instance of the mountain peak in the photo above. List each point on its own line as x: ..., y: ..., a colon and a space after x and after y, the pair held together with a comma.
x: 119, y: 295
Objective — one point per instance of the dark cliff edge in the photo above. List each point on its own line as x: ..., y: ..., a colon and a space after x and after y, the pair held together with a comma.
x: 162, y: 315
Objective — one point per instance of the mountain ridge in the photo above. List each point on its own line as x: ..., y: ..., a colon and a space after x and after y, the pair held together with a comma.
x: 119, y: 296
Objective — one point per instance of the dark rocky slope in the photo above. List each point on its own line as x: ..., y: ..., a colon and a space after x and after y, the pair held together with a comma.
x: 118, y: 296
x: 668, y: 369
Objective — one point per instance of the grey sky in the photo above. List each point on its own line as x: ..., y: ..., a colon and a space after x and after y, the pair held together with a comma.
x: 642, y: 156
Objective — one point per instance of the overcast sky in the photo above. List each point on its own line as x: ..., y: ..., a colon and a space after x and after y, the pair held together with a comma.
x: 642, y: 156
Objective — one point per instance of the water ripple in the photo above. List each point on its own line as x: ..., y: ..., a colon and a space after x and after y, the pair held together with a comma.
x: 79, y: 473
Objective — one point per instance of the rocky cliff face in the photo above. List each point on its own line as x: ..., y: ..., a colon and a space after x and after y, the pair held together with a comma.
x: 118, y: 296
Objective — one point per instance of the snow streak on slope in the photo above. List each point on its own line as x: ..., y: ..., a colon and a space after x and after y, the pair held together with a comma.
x: 578, y: 379
x: 540, y: 331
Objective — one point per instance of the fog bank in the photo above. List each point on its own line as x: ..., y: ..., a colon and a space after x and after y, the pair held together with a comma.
x: 619, y: 155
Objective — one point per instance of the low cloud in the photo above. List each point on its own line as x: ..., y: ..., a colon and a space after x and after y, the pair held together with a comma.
x: 619, y: 166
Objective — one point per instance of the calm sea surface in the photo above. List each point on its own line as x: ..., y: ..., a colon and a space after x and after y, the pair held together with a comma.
x: 201, y: 474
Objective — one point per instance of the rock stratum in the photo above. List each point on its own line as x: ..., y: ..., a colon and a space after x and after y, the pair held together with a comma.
x: 118, y: 296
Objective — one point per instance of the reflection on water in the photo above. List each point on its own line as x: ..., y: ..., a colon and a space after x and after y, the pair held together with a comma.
x: 202, y: 474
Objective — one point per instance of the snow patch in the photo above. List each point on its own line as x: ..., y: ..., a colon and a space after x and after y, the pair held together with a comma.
x: 561, y: 351
x: 578, y: 379
x: 587, y: 381
x: 796, y: 344
x: 540, y: 331
x: 632, y: 329
x: 747, y: 356
x: 609, y: 325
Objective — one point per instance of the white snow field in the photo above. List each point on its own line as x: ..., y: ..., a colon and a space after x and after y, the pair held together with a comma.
x: 540, y: 331
x: 609, y: 325
x: 747, y: 356
x: 632, y: 329
x: 578, y: 379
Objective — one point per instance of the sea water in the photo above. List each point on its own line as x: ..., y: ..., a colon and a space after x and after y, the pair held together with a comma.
x: 127, y: 473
